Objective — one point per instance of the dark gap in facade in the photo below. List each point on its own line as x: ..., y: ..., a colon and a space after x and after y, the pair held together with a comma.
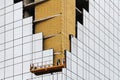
x: 16, y: 1
x: 29, y: 11
x: 80, y: 5
x: 28, y: 1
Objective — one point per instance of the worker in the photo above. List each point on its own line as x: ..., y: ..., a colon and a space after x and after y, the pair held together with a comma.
x: 31, y: 66
x: 58, y: 62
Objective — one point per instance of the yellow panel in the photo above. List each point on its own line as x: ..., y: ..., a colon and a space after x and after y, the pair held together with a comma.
x: 48, y: 8
x: 63, y: 24
x: 68, y: 22
x: 54, y: 42
x: 48, y: 27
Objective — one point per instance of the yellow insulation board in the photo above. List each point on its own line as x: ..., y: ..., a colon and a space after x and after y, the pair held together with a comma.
x: 64, y: 24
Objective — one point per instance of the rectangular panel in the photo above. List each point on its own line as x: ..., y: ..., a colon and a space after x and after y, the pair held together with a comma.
x: 26, y: 76
x: 63, y: 75
x: 38, y: 62
x: 18, y: 14
x: 8, y: 2
x: 9, y: 62
x: 17, y: 50
x: 18, y: 33
x: 37, y: 55
x: 2, y: 22
x: 2, y: 47
x: 1, y: 30
x: 27, y: 20
x: 47, y: 52
x: 1, y: 10
x: 2, y: 4
x: 27, y: 57
x: 10, y: 78
x: 97, y: 14
x: 79, y: 31
x: 47, y: 60
x: 74, y: 45
x: 68, y: 63
x: 27, y: 48
x: 46, y: 77
x: 9, y: 17
x: 26, y: 67
x: 9, y: 44
x: 37, y: 45
x: 17, y: 23
x: 2, y: 38
x: 1, y: 74
x: 2, y: 65
x: 18, y: 5
x: 80, y: 72
x: 60, y: 76
x: 8, y: 27
x: 1, y: 56
x: 19, y: 77
x: 9, y: 35
x: 68, y: 54
x: 74, y: 76
x: 17, y: 60
x: 74, y: 58
x: 9, y: 9
x: 37, y: 36
x: 55, y: 77
x: 9, y: 53
x: 27, y: 30
x: 27, y: 39
x: 9, y: 71
x: 17, y: 42
x: 74, y: 67
x: 18, y: 69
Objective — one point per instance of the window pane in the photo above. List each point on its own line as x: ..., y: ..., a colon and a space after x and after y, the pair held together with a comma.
x: 18, y: 33
x: 9, y: 44
x: 1, y: 47
x: 27, y: 30
x: 9, y: 35
x: 9, y: 71
x: 8, y: 27
x: 17, y: 60
x: 9, y: 53
x: 9, y: 17
x: 8, y: 2
x: 1, y: 4
x: 2, y: 38
x: 18, y: 14
x: 17, y: 41
x: 9, y: 62
x: 18, y: 51
x: 9, y: 9
x: 37, y: 45
x: 27, y: 20
x: 2, y: 11
x: 1, y: 20
x: 1, y: 56
x: 17, y: 23
x: 27, y: 48
x: 27, y: 39
x: 1, y: 74
x: 18, y: 5
x: 18, y: 69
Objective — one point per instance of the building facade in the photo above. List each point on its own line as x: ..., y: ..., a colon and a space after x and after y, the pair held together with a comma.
x: 43, y: 33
